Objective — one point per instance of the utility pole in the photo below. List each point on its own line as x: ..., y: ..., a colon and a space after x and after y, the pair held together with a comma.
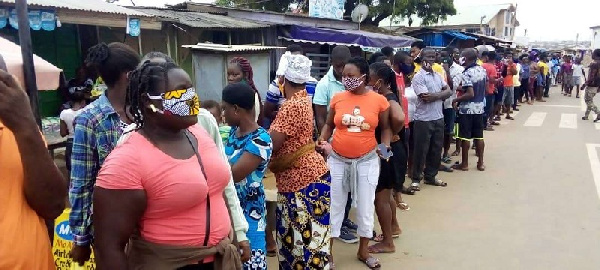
x: 27, y: 55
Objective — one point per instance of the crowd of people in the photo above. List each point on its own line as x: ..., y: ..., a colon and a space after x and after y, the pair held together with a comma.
x: 162, y: 180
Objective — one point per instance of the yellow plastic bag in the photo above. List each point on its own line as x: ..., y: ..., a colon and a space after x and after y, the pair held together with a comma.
x: 63, y: 241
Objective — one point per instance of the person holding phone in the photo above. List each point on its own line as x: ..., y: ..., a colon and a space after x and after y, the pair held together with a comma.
x: 354, y: 161
x: 431, y: 90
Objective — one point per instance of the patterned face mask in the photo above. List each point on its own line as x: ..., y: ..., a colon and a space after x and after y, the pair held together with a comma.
x: 352, y: 83
x: 182, y: 102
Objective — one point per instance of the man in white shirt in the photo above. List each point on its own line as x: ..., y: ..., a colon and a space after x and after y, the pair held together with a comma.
x: 578, y: 75
x: 455, y: 71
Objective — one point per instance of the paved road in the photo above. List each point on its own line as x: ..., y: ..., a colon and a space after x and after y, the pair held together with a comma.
x: 536, y: 207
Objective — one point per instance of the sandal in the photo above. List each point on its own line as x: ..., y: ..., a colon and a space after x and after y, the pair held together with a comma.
x: 371, y: 262
x: 446, y: 159
x: 584, y: 118
x: 377, y: 238
x: 455, y: 153
x: 407, y: 191
x: 272, y: 253
x: 403, y: 206
x: 459, y: 167
x: 437, y: 183
x: 415, y: 187
x: 510, y: 118
x: 446, y: 169
x: 597, y: 119
x: 480, y: 167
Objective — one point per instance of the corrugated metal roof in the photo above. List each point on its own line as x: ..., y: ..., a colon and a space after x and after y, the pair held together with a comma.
x: 229, y: 48
x: 200, y: 19
x: 84, y: 5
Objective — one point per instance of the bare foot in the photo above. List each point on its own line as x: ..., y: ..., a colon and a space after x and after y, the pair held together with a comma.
x: 382, y: 248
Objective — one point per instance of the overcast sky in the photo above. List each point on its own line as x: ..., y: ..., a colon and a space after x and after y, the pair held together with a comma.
x: 543, y: 19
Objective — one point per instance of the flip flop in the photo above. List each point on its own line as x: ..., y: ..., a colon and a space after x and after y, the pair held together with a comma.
x: 459, y: 167
x: 437, y: 183
x: 447, y: 160
x: 403, y: 206
x: 415, y: 187
x: 480, y: 167
x: 446, y: 169
x: 407, y: 191
x: 455, y: 154
x: 371, y: 262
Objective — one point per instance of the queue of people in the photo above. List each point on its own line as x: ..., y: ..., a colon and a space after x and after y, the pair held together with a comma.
x: 160, y: 180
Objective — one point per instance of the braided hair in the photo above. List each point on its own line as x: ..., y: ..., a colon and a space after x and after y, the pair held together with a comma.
x: 387, y: 75
x: 246, y: 68
x: 112, y: 60
x: 146, y: 79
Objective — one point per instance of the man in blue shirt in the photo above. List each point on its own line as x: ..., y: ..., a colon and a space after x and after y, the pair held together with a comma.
x: 471, y: 107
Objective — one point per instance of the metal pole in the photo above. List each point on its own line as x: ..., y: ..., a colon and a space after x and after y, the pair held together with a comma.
x: 27, y: 54
x: 168, y: 41
x: 140, y: 42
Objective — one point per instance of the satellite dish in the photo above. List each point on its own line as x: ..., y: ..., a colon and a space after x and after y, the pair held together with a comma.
x: 359, y: 14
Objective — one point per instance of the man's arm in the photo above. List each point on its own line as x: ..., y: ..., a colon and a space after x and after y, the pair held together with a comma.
x: 321, y: 102
x: 44, y: 185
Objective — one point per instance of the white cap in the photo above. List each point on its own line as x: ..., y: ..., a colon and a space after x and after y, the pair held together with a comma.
x: 297, y: 69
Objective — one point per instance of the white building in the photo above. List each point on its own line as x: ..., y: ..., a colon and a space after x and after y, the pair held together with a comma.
x: 595, y: 37
x: 497, y: 20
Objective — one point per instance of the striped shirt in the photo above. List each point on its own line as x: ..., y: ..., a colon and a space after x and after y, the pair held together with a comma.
x: 97, y: 130
x: 428, y: 82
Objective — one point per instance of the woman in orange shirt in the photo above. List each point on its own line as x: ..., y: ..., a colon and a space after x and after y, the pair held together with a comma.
x: 354, y: 161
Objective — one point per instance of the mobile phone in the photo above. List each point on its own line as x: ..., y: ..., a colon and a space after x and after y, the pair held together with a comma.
x: 385, y: 152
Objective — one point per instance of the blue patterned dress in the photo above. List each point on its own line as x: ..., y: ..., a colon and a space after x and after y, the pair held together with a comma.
x: 251, y: 191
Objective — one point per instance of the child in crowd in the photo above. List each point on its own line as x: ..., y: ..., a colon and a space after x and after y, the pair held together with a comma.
x: 215, y: 109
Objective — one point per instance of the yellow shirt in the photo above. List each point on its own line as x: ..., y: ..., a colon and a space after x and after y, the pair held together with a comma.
x: 479, y: 62
x: 24, y: 241
x: 545, y: 67
x: 439, y: 69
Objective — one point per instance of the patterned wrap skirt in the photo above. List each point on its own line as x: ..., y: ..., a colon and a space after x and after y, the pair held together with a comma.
x: 303, y: 229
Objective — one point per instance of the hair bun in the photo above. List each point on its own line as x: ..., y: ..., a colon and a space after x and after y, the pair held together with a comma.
x: 98, y: 54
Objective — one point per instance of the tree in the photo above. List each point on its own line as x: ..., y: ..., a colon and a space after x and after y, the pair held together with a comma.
x: 430, y: 11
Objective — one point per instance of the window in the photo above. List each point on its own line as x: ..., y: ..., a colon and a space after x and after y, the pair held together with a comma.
x: 507, y: 15
x: 492, y: 32
x: 512, y: 31
x: 505, y: 33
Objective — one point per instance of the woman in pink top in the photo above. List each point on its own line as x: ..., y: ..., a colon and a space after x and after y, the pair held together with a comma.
x: 162, y: 190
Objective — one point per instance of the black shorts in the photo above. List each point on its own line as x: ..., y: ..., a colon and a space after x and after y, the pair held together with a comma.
x: 470, y: 126
x: 393, y: 171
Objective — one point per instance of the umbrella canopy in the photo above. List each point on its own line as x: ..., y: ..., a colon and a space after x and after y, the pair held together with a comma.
x: 47, y: 75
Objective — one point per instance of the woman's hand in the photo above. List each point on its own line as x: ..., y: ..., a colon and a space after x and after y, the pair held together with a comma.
x: 323, y: 148
x: 245, y: 251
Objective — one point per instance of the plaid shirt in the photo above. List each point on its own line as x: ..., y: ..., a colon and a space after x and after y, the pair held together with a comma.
x: 97, y: 130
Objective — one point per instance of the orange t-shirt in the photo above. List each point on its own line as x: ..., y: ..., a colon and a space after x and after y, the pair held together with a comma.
x: 24, y: 241
x: 356, y: 117
x: 508, y: 80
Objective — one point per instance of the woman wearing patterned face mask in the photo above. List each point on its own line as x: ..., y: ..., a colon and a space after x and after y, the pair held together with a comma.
x: 160, y: 193
x: 354, y: 161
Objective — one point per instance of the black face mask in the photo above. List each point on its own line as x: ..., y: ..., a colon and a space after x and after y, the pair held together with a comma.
x: 407, y: 69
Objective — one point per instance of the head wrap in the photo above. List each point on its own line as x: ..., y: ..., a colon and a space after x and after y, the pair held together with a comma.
x: 298, y: 68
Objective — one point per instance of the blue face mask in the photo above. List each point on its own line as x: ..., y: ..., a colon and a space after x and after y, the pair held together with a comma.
x: 407, y: 69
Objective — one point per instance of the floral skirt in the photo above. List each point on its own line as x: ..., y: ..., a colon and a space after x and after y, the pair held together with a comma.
x: 303, y: 229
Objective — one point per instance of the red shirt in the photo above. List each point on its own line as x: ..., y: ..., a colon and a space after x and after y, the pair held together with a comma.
x: 401, y: 87
x: 491, y: 73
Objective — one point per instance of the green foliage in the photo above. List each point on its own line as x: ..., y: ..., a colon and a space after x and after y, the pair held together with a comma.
x: 430, y: 11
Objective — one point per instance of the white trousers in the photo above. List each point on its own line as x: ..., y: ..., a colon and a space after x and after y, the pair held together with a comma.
x: 368, y: 177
